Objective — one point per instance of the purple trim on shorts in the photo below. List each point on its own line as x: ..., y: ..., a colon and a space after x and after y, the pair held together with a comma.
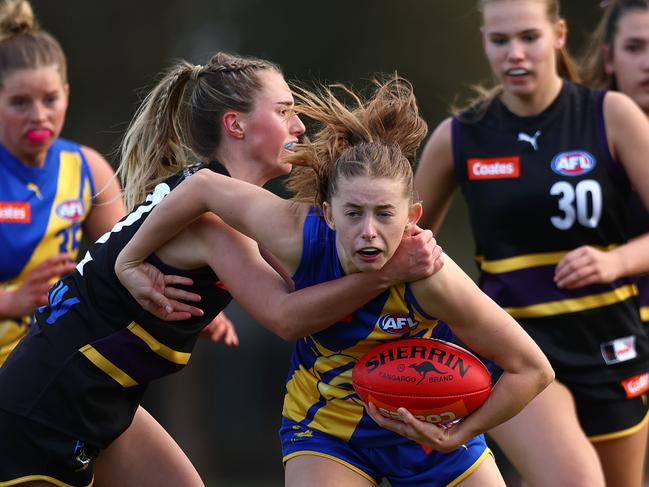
x: 534, y: 285
x: 133, y: 356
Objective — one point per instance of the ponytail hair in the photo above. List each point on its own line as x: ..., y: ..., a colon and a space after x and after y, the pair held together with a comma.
x: 23, y: 45
x: 594, y: 63
x: 567, y: 67
x: 378, y: 137
x: 180, y: 120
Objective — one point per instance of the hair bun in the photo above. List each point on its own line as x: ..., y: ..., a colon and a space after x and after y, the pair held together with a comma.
x: 16, y: 16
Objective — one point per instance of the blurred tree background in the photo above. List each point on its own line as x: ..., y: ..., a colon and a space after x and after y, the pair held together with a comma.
x: 224, y: 409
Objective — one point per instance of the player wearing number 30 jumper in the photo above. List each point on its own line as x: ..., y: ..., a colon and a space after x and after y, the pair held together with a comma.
x: 544, y: 165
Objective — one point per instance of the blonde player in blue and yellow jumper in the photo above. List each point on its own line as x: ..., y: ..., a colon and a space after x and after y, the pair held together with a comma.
x: 359, y: 177
x: 51, y: 190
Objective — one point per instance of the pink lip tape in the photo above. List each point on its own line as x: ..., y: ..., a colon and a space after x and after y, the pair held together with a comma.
x: 38, y: 135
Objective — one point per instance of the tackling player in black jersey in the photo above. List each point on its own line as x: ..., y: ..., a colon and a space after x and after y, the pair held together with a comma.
x: 74, y: 383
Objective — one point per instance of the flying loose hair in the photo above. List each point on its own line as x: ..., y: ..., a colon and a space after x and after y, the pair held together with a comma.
x: 377, y: 137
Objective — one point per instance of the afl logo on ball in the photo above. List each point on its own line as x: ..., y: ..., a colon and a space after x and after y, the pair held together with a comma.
x: 575, y: 163
x: 397, y: 323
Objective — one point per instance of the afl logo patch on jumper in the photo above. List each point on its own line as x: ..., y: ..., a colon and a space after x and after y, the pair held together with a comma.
x: 494, y: 168
x: 575, y: 163
x: 71, y: 210
x: 15, y: 212
x: 397, y: 323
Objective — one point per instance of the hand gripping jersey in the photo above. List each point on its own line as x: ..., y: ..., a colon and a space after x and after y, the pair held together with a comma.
x: 41, y: 213
x: 82, y: 369
x: 319, y: 385
x: 538, y: 187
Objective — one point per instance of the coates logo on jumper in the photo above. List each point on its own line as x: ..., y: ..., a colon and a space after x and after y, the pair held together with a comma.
x: 573, y: 163
x: 494, y: 168
x: 71, y: 210
x: 15, y: 212
x: 397, y: 323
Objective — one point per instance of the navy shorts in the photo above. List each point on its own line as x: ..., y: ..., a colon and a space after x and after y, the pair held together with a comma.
x: 30, y: 451
x: 403, y: 465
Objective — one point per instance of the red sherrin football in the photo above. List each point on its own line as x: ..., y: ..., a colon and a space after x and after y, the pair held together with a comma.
x: 435, y: 380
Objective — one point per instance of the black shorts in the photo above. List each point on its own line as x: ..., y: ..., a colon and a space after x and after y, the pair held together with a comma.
x: 610, y: 419
x: 31, y: 451
x: 602, y: 418
x: 602, y: 357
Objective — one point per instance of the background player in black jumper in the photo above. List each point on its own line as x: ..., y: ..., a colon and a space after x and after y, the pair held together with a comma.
x: 74, y: 383
x: 618, y: 59
x: 543, y: 166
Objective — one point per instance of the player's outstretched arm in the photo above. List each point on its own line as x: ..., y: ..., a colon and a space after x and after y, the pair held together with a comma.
x: 289, y: 315
x: 264, y: 294
x: 272, y: 221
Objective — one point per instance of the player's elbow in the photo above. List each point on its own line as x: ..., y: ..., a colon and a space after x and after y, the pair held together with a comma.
x: 549, y: 375
x: 283, y: 328
x: 534, y: 369
x: 286, y: 333
x: 200, y: 185
x: 543, y: 374
x: 292, y: 331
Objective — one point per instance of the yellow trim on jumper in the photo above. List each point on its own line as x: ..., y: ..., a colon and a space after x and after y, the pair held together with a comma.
x: 622, y: 433
x: 573, y: 305
x: 164, y: 351
x: 528, y: 260
x: 5, y: 350
x: 33, y: 478
x: 472, y: 468
x: 68, y: 186
x: 519, y: 262
x: 330, y: 457
x: 107, y: 366
x: 644, y: 313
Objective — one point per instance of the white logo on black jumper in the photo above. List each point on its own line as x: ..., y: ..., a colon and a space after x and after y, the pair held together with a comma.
x: 530, y: 139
